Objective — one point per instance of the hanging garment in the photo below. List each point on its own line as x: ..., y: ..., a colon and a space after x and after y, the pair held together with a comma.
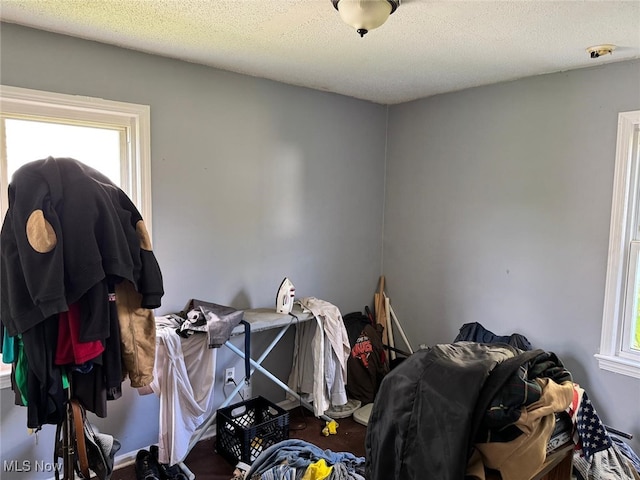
x: 366, y: 366
x: 70, y: 350
x: 67, y: 230
x: 306, y: 376
x: 138, y: 334
x: 320, y: 369
x: 184, y: 377
x: 45, y: 393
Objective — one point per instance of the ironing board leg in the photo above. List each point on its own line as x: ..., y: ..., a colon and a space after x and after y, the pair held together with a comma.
x: 273, y: 378
x: 190, y: 475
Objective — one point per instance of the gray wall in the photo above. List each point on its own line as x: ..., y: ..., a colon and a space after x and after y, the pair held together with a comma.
x: 252, y: 181
x: 497, y: 211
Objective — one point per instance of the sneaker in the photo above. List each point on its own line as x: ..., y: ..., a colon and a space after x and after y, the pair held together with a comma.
x: 343, y: 411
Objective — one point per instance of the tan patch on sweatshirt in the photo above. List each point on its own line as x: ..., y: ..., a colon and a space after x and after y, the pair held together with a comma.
x: 143, y: 236
x: 40, y: 233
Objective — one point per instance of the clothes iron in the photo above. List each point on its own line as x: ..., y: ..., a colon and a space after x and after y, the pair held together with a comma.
x: 284, y: 297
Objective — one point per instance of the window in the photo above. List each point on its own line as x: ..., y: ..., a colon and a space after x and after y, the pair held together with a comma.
x: 620, y: 342
x: 112, y: 137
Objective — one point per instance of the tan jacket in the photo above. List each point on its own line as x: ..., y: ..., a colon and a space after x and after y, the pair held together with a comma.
x: 137, y: 335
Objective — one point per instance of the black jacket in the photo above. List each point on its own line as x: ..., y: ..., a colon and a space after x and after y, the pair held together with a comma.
x: 68, y: 227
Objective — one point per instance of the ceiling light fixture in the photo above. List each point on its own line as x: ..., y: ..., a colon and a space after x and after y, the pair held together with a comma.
x: 599, y: 50
x: 365, y: 15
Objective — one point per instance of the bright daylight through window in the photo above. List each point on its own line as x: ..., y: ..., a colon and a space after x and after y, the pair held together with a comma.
x: 620, y: 342
x: 112, y: 137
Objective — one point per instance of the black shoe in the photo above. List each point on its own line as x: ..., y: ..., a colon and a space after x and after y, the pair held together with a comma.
x: 173, y: 472
x: 147, y: 467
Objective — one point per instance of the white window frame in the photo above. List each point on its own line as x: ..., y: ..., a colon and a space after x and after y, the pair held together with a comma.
x: 136, y: 165
x: 624, y: 252
x: 16, y: 102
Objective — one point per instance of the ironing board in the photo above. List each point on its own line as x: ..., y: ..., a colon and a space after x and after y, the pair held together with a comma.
x: 259, y: 319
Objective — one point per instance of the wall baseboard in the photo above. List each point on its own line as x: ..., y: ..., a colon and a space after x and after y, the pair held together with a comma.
x: 129, y: 458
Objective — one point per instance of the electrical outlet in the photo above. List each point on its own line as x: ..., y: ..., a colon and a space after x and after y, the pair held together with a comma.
x: 230, y: 375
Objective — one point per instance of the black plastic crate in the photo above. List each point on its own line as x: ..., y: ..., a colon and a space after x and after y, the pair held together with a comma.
x: 244, y: 430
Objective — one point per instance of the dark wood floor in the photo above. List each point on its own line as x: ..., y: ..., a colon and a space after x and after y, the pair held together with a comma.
x: 206, y: 464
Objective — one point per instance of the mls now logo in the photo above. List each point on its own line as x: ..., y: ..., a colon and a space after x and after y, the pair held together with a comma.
x: 25, y: 466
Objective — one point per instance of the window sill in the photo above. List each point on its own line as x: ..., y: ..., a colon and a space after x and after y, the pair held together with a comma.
x: 620, y: 365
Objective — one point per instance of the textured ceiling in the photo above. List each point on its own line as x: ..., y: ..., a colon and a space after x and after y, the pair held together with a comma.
x: 425, y: 48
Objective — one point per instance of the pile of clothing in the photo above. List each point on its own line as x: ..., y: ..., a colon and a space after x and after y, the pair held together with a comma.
x: 441, y: 402
x: 485, y: 402
x: 297, y: 459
